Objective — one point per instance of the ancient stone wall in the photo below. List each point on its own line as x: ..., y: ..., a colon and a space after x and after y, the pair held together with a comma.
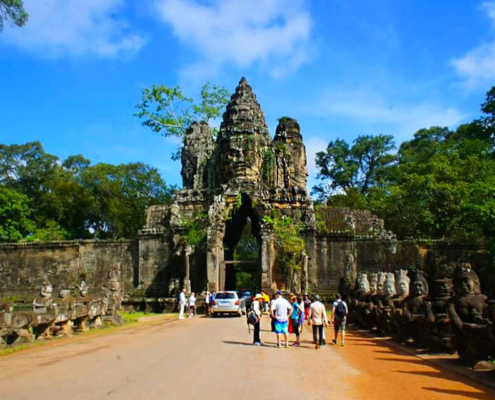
x: 23, y: 267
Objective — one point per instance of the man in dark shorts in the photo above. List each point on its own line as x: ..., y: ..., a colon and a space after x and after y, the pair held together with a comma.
x: 339, y: 315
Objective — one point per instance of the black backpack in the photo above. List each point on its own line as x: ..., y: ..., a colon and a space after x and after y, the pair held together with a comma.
x: 340, y: 310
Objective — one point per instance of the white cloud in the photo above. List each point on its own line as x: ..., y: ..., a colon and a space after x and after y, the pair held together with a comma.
x: 374, y: 114
x: 74, y: 27
x: 274, y: 33
x: 478, y: 65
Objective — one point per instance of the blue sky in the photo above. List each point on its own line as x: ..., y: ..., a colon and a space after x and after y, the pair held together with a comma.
x: 72, y: 76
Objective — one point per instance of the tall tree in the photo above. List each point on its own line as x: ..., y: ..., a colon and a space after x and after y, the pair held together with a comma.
x: 12, y: 10
x: 167, y: 111
x: 355, y: 169
x: 15, y: 215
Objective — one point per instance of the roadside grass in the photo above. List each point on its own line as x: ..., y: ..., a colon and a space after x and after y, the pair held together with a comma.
x: 129, y: 319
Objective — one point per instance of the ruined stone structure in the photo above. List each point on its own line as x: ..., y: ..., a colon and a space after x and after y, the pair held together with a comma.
x: 244, y: 176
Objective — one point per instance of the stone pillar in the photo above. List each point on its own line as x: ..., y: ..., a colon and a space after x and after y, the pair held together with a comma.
x: 267, y: 259
x: 187, y: 269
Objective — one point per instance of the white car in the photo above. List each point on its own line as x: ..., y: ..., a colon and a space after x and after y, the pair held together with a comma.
x: 226, y: 302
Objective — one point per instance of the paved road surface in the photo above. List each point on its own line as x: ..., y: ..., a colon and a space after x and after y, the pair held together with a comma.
x: 212, y: 359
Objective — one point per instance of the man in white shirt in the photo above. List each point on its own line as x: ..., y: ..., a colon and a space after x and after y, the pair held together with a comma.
x: 182, y: 303
x: 318, y: 320
x: 281, y: 311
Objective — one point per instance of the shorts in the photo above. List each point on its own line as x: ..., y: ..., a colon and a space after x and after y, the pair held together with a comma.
x: 281, y: 327
x: 339, y: 324
x: 295, y: 326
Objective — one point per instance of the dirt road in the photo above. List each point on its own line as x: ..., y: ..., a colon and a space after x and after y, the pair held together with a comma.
x: 213, y: 359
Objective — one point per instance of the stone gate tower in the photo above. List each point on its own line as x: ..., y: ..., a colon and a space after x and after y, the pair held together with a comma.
x: 241, y: 175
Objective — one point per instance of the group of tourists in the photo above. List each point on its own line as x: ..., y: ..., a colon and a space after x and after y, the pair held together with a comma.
x: 289, y: 317
x: 184, y: 303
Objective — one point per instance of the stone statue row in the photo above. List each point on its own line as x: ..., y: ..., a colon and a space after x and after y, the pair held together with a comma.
x: 453, y: 316
x: 62, y: 316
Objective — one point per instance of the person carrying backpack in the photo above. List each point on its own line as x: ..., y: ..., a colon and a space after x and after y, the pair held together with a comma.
x: 339, y: 314
x: 254, y: 318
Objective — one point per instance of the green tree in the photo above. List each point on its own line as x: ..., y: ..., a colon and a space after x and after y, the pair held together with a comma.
x: 122, y: 193
x: 355, y: 169
x: 12, y: 10
x: 15, y: 215
x: 167, y: 111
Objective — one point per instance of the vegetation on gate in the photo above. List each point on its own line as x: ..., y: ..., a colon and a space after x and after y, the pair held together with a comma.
x: 45, y: 198
x: 288, y: 242
x: 167, y: 111
x: 195, y: 228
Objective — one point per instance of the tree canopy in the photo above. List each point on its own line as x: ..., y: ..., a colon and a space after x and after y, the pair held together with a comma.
x: 440, y: 184
x: 166, y: 110
x: 72, y: 199
x: 12, y: 10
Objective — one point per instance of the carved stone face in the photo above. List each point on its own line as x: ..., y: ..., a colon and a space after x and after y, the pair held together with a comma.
x: 403, y: 288
x: 373, y: 286
x: 389, y: 288
x: 46, y: 290
x: 63, y: 293
x: 379, y: 287
x: 84, y: 292
x: 419, y: 288
x: 363, y: 287
x: 464, y: 286
x: 444, y: 288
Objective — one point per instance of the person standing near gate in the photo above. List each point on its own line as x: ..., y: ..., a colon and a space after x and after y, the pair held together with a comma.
x: 182, y: 303
x: 318, y: 320
x: 339, y: 315
x: 280, y: 311
x: 256, y: 308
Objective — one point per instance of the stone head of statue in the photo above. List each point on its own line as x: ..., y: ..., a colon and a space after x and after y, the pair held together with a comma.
x: 83, y: 289
x: 419, y: 284
x: 46, y: 289
x: 443, y: 287
x: 373, y: 282
x: 363, y: 283
x: 466, y: 281
x: 402, y: 282
x: 63, y: 293
x: 381, y: 281
x: 389, y: 285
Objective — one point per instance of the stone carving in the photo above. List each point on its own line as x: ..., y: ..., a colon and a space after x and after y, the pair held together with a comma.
x: 66, y: 307
x: 468, y: 311
x: 386, y: 305
x: 113, y: 298
x: 45, y: 309
x: 413, y: 318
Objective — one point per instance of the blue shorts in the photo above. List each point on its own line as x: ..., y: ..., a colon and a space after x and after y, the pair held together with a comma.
x: 281, y: 327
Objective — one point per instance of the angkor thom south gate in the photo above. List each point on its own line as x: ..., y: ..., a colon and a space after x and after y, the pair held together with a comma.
x: 242, y: 176
x: 239, y: 177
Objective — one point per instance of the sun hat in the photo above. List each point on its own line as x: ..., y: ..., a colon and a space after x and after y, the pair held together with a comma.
x: 258, y: 296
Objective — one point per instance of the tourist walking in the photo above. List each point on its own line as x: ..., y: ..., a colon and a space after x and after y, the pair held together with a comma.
x: 339, y: 316
x: 256, y: 307
x: 302, y: 315
x: 207, y: 303
x: 318, y: 320
x: 182, y: 303
x: 192, y: 305
x: 295, y: 318
x: 212, y: 300
x: 281, y: 311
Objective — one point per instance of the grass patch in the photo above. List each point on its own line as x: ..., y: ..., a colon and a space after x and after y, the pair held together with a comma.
x: 129, y: 318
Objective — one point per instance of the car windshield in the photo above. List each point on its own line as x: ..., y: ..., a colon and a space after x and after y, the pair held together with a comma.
x: 225, y: 296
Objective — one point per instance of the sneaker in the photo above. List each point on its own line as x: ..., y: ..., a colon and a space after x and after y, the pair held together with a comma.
x: 334, y: 341
x: 343, y: 344
x: 295, y: 344
x: 287, y: 345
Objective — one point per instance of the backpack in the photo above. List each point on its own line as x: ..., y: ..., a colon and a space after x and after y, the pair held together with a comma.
x: 340, y: 310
